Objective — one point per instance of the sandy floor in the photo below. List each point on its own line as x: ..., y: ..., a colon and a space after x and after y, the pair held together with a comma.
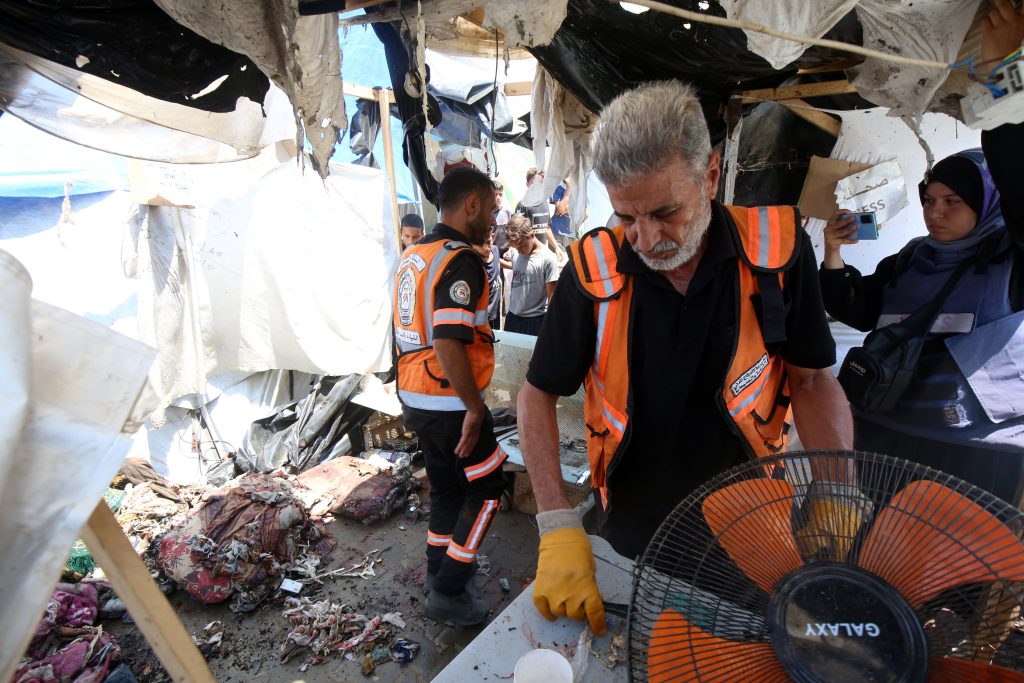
x: 251, y: 641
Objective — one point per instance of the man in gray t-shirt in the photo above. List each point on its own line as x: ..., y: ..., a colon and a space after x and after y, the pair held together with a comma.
x: 534, y: 274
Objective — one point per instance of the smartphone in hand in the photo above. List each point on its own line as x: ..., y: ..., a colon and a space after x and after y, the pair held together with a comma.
x: 867, y: 227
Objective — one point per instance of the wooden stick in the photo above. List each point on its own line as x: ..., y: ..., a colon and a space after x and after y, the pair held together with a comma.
x: 363, y: 92
x: 519, y: 88
x: 389, y: 160
x: 152, y: 613
x: 794, y: 92
x: 812, y: 115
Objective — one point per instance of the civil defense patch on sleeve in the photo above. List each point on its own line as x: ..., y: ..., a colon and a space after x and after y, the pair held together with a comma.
x: 459, y: 292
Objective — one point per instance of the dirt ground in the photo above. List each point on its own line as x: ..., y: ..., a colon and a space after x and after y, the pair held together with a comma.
x: 251, y: 641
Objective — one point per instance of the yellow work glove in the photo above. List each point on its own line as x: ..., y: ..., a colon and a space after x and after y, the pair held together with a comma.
x: 834, y: 513
x: 565, y: 583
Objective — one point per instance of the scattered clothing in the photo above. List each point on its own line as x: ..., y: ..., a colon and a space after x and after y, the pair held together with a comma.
x: 239, y: 542
x: 355, y: 488
x: 320, y: 628
x: 66, y: 647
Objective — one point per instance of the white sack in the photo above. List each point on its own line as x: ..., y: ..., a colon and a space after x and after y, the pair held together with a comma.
x: 295, y: 273
x: 880, y: 189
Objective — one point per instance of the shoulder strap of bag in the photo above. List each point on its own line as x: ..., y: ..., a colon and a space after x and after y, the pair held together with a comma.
x: 920, y: 322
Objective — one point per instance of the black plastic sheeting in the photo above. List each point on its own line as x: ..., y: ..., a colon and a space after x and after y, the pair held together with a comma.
x: 363, y: 131
x: 775, y: 150
x: 602, y: 50
x: 135, y: 44
x: 409, y: 108
x: 308, y: 432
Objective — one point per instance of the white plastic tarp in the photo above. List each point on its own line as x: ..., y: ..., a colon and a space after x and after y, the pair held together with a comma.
x: 69, y: 388
x: 57, y: 107
x: 292, y: 273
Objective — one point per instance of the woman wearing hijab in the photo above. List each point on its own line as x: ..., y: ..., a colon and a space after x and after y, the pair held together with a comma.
x: 963, y: 412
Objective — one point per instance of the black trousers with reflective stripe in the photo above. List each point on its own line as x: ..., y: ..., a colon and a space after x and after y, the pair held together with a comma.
x: 464, y: 498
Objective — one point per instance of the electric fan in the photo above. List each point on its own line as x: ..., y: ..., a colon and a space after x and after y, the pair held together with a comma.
x: 905, y: 575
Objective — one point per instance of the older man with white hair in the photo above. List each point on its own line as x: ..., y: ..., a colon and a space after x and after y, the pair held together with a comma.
x: 698, y: 330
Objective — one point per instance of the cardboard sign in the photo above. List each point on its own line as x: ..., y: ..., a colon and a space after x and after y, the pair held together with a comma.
x: 817, y: 199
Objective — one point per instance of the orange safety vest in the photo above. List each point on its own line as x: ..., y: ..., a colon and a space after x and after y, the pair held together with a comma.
x: 421, y: 380
x: 754, y: 397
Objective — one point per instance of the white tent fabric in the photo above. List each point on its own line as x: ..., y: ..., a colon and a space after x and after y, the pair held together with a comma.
x: 247, y: 129
x: 70, y: 389
x: 925, y: 29
x: 299, y: 54
x: 560, y: 121
x: 294, y: 273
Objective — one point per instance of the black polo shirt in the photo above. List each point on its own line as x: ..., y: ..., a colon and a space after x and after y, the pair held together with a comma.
x: 681, y: 345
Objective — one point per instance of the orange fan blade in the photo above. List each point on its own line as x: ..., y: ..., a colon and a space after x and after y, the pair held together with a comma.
x: 960, y: 670
x: 752, y: 522
x: 930, y: 538
x: 679, y: 651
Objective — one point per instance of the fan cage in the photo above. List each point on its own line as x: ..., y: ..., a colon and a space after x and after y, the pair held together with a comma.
x: 686, y: 569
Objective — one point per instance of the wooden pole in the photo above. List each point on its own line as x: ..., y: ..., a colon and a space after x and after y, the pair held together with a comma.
x: 152, y: 613
x: 389, y: 159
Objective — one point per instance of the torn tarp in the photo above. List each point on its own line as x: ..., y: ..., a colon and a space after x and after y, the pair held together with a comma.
x: 133, y: 43
x: 362, y: 132
x: 307, y: 432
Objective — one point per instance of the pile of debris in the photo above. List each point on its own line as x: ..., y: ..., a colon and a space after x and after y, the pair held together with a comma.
x: 240, y: 540
x: 67, y: 645
x: 320, y: 628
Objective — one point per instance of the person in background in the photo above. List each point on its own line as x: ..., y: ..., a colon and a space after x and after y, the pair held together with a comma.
x: 501, y: 216
x: 412, y: 230
x: 534, y: 273
x: 540, y: 216
x: 561, y: 222
x: 445, y: 361
x: 963, y: 412
x: 492, y: 264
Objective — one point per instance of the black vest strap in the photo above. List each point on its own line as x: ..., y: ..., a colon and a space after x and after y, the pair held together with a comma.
x: 771, y: 307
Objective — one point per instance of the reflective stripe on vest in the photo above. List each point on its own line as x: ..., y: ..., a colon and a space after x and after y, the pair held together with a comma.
x: 421, y: 380
x: 755, y: 389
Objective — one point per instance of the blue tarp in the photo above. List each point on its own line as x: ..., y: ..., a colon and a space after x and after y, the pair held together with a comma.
x: 36, y: 164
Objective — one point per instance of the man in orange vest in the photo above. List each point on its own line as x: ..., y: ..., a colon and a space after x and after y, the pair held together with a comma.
x: 697, y: 328
x: 445, y: 358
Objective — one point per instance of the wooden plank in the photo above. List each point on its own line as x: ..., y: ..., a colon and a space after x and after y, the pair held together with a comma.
x: 811, y: 115
x: 793, y: 92
x: 364, y: 92
x: 147, y: 605
x: 361, y: 4
x: 389, y: 161
x: 519, y: 88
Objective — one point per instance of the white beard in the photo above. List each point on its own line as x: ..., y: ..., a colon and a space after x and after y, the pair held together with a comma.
x: 685, y: 251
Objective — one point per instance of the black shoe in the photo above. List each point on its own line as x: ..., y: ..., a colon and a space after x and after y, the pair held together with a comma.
x: 428, y: 585
x: 461, y: 610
